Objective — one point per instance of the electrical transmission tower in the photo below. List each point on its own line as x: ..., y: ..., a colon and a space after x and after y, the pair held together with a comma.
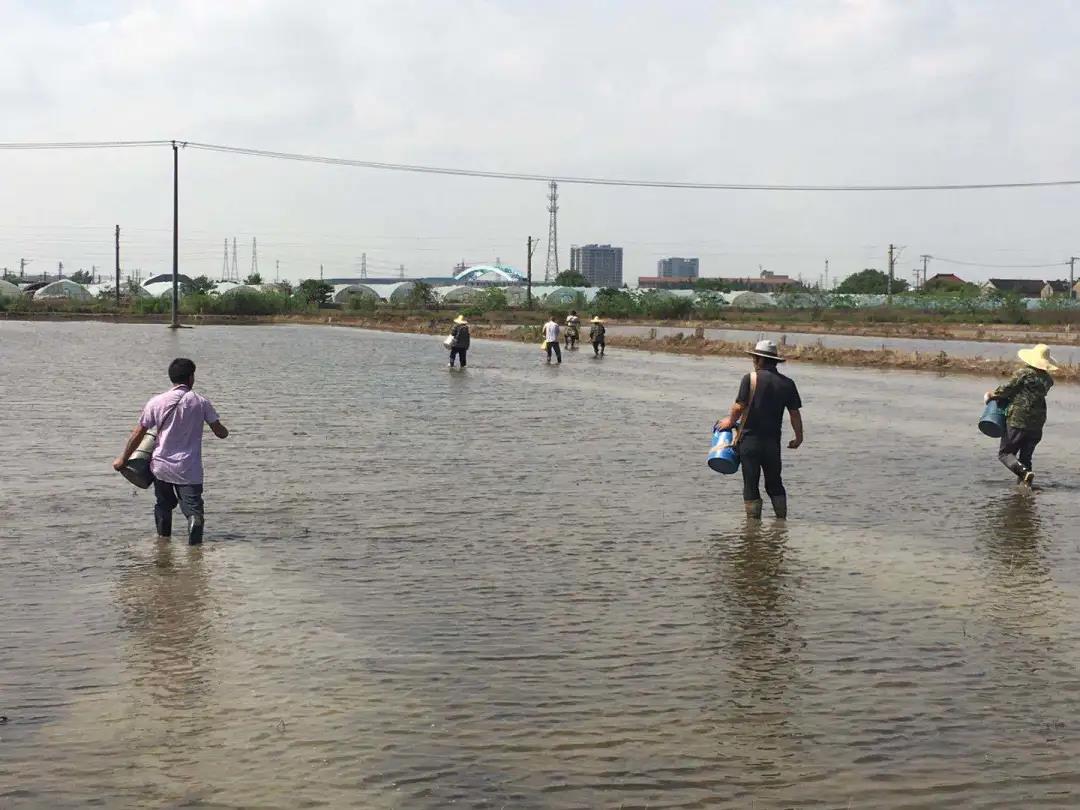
x: 401, y: 270
x: 551, y: 270
x: 254, y: 258
x: 363, y: 265
x: 235, y: 275
x: 225, y: 261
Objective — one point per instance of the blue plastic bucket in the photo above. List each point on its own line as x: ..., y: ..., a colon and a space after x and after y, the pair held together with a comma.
x: 992, y: 422
x: 722, y: 456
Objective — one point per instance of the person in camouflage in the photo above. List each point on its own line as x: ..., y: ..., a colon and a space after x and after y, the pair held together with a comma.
x: 1025, y: 395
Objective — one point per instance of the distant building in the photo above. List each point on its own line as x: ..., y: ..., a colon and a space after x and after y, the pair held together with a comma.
x: 677, y: 267
x: 1024, y: 287
x: 945, y: 278
x: 1052, y: 288
x: 765, y: 281
x: 600, y: 264
x: 663, y: 283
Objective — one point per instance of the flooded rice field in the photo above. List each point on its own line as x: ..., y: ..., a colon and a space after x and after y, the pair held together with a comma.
x: 954, y: 348
x: 520, y: 586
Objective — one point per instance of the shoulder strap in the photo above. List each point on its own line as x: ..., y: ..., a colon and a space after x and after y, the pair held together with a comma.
x: 172, y: 410
x: 746, y: 413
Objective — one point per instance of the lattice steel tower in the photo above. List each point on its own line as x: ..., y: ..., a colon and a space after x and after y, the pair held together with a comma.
x: 551, y: 270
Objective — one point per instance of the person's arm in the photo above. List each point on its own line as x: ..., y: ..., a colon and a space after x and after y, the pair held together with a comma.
x: 129, y: 448
x: 210, y: 416
x: 797, y: 426
x: 728, y: 422
x: 742, y: 399
x: 1005, y: 390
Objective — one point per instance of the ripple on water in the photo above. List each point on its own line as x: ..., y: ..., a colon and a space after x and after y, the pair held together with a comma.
x: 520, y: 587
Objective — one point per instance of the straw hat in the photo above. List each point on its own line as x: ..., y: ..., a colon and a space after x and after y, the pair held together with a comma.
x: 460, y: 319
x: 768, y: 350
x: 596, y: 319
x: 1039, y: 357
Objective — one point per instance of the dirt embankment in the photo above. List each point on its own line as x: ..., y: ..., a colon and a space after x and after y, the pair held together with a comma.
x: 683, y: 343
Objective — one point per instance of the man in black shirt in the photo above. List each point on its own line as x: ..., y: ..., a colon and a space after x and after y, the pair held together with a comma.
x: 763, y: 396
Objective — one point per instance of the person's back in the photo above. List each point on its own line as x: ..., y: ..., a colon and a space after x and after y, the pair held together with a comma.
x: 773, y: 394
x: 460, y: 334
x: 177, y: 416
x: 1025, y: 395
x: 551, y: 339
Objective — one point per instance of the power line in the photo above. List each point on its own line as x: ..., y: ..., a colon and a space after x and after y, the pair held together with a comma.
x: 1004, y: 266
x: 32, y: 145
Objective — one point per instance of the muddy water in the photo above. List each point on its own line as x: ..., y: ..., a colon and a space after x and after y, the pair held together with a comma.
x: 954, y: 348
x: 521, y: 587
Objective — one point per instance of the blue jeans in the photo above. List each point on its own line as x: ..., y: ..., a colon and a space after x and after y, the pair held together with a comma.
x: 553, y: 346
x: 188, y: 496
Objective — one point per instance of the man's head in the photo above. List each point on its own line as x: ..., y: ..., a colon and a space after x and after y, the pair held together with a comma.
x: 573, y: 312
x: 182, y: 371
x: 765, y: 355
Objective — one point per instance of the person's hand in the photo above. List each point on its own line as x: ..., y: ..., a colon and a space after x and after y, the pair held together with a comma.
x: 988, y: 396
x: 794, y: 443
x: 723, y: 424
x: 119, y: 463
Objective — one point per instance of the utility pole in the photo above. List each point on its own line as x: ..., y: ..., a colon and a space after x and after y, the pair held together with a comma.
x: 1072, y: 277
x: 363, y: 265
x: 175, y: 237
x: 118, y: 266
x: 22, y: 266
x: 401, y: 270
x: 277, y: 269
x: 254, y: 258
x: 59, y: 270
x: 320, y: 272
x: 530, y: 246
x: 826, y: 275
x: 925, y: 258
x: 892, y: 271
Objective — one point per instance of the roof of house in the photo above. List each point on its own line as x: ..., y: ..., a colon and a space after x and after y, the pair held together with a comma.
x: 1060, y: 286
x: 945, y: 277
x: 1022, y: 286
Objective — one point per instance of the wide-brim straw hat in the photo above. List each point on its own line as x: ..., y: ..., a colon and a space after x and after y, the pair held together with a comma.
x: 596, y: 319
x: 768, y: 350
x: 460, y: 319
x: 1038, y: 357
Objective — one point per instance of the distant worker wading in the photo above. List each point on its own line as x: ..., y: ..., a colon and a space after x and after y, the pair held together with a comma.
x: 459, y: 340
x: 178, y: 416
x: 759, y: 411
x: 596, y: 336
x: 1024, y: 400
x: 551, y: 339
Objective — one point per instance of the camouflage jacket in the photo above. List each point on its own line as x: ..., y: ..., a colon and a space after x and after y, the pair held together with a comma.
x: 1026, y: 395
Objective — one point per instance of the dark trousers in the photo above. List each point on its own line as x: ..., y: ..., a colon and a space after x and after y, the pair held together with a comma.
x: 760, y: 454
x: 456, y: 352
x: 1017, y: 448
x: 189, y: 496
x: 598, y: 347
x: 553, y: 346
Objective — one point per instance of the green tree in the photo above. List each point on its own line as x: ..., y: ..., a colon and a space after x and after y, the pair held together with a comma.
x: 870, y: 282
x: 493, y: 299
x: 253, y: 279
x: 283, y: 287
x: 951, y: 286
x: 82, y: 277
x: 421, y: 296
x: 314, y: 291
x: 571, y: 278
x: 200, y: 285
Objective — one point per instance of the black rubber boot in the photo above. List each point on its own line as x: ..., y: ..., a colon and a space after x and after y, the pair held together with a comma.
x: 163, y: 521
x: 779, y: 505
x: 195, y: 530
x: 753, y: 509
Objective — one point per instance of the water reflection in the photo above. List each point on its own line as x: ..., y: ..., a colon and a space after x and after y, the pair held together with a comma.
x: 164, y: 603
x: 753, y: 610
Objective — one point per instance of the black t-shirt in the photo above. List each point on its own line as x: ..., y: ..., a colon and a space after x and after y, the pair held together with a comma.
x: 774, y: 393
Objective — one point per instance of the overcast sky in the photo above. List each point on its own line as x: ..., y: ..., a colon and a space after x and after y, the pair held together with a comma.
x: 861, y: 92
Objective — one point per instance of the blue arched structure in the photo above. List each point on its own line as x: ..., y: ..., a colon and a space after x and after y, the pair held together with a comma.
x: 507, y: 274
